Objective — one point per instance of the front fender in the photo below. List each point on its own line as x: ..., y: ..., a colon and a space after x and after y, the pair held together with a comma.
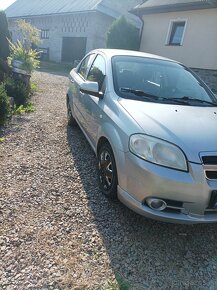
x: 119, y: 143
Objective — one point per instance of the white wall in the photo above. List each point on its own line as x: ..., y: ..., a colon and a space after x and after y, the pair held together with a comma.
x: 199, y: 49
x: 92, y: 25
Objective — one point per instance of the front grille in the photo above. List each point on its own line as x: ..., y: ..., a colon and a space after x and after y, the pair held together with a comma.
x: 210, y: 212
x: 211, y: 174
x: 173, y: 206
x: 212, y: 208
x: 213, y: 200
x: 210, y: 166
x: 173, y: 210
x: 209, y: 160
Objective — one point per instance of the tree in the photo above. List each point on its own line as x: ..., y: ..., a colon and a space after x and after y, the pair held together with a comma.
x: 123, y: 35
x: 4, y: 45
x: 27, y: 34
x: 4, y: 36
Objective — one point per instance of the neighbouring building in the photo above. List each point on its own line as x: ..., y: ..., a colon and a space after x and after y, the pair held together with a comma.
x: 184, y: 30
x: 69, y: 29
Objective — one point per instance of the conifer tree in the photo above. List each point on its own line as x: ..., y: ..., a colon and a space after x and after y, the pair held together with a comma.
x: 4, y: 36
x: 123, y: 35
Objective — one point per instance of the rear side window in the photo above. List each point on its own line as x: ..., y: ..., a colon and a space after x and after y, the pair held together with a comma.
x: 97, y: 71
x: 85, y: 65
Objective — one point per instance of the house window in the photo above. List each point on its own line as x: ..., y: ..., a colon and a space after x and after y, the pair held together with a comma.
x: 176, y: 33
x: 44, y: 34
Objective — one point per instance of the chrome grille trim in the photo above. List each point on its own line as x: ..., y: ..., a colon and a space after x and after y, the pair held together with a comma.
x: 209, y: 160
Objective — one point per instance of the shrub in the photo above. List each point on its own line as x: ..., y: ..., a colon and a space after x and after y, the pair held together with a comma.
x: 28, y: 57
x: 123, y: 35
x: 33, y: 88
x: 4, y: 105
x: 28, y: 108
x: 4, y: 45
x: 4, y: 36
x: 28, y: 34
x: 17, y: 90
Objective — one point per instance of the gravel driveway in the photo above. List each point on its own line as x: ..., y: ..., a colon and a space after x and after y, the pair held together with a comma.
x: 58, y: 232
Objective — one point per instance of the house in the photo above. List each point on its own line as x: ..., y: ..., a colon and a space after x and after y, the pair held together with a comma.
x: 184, y: 30
x: 69, y: 29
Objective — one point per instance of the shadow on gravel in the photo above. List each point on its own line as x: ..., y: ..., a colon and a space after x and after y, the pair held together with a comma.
x: 14, y: 126
x: 146, y: 253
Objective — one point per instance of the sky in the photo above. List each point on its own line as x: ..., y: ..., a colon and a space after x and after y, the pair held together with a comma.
x: 5, y: 3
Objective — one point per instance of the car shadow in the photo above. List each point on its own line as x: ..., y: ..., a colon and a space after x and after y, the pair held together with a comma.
x: 146, y: 253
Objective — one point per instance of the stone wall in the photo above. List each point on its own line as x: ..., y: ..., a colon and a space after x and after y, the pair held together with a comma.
x: 209, y: 77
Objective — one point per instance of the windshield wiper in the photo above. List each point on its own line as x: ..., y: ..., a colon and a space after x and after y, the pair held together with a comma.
x: 187, y: 100
x: 151, y: 97
x: 139, y: 93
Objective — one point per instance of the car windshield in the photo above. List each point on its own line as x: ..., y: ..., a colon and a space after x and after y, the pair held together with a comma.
x: 163, y: 81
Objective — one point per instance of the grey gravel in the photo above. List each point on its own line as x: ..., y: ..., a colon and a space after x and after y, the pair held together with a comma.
x: 57, y: 231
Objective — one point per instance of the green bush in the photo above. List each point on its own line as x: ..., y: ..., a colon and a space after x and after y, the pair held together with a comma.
x: 4, y: 105
x: 17, y: 90
x: 123, y: 35
x: 28, y: 57
x: 4, y: 36
x: 4, y: 45
x: 28, y: 108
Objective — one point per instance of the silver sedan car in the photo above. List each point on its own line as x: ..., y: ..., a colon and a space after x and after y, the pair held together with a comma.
x: 153, y: 126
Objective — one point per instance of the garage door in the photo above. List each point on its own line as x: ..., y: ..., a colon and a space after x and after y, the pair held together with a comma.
x: 73, y: 48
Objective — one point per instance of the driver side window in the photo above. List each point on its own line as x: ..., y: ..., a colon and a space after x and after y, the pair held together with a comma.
x: 85, y: 65
x: 97, y: 71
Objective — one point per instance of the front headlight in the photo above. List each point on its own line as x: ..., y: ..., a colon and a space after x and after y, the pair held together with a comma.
x: 158, y: 151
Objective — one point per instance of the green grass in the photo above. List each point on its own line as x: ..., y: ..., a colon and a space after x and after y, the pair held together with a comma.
x: 33, y: 88
x: 55, y: 68
x: 28, y: 108
x: 2, y: 139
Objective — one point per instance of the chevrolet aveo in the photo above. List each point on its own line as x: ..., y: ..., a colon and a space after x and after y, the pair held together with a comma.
x: 153, y: 126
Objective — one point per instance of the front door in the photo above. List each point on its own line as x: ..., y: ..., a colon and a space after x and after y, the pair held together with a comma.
x: 93, y: 106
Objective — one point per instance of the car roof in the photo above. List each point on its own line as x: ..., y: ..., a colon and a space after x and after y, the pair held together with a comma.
x: 122, y: 52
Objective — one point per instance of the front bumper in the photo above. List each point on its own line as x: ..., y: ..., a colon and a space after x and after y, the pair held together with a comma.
x: 191, y: 189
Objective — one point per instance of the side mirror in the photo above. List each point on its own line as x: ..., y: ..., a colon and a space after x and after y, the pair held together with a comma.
x: 91, y: 88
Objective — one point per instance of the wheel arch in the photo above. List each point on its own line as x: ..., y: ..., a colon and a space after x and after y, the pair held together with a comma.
x: 108, y: 133
x: 111, y: 136
x: 102, y: 140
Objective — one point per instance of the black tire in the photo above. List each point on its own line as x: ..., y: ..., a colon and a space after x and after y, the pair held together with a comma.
x: 71, y: 120
x: 107, y: 171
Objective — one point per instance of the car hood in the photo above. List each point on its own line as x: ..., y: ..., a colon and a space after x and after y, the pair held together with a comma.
x: 193, y: 129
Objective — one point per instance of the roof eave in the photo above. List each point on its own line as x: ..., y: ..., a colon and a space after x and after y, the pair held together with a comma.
x: 53, y: 14
x: 171, y: 8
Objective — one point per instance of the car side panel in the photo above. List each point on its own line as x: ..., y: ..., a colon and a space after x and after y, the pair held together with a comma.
x: 76, y: 98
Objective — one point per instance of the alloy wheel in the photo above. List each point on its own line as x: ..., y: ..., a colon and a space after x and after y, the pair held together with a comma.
x: 105, y: 170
